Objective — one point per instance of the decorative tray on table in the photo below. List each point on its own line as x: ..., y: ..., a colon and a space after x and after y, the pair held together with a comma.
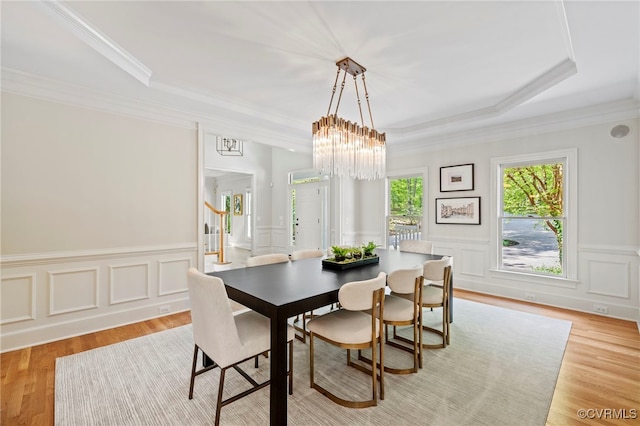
x: 349, y: 263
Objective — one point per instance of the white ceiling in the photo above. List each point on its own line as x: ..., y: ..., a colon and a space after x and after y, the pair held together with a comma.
x: 263, y: 71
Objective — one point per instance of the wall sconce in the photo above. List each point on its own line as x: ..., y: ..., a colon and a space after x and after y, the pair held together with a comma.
x: 228, y: 146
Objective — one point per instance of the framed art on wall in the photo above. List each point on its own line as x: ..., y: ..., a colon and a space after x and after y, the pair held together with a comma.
x: 237, y: 204
x: 459, y: 211
x: 456, y: 178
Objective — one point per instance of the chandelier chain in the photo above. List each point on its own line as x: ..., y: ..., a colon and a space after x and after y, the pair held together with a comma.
x: 355, y: 83
x: 333, y: 91
x: 341, y: 90
x: 366, y: 95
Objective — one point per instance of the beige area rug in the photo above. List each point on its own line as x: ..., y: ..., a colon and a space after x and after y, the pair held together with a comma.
x: 500, y: 369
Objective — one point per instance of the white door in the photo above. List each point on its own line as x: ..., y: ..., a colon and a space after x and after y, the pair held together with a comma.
x: 309, y: 219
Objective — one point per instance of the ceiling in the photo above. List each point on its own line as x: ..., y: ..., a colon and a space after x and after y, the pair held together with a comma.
x: 437, y: 72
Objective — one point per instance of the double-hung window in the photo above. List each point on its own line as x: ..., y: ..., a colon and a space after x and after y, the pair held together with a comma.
x: 534, y: 217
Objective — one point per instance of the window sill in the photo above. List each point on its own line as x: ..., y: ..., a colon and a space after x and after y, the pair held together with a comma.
x: 535, y: 278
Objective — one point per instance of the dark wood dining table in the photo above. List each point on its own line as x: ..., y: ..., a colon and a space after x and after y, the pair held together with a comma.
x: 284, y: 290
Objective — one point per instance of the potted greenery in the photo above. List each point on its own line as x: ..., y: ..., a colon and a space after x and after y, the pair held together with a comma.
x: 356, y: 253
x: 339, y: 253
x: 368, y: 248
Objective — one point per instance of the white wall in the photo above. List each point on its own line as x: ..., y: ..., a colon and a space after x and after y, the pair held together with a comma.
x: 608, y: 218
x: 98, y: 220
x: 100, y: 217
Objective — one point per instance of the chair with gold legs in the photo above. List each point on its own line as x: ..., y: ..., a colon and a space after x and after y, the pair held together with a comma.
x: 435, y: 294
x: 351, y: 328
x: 402, y: 311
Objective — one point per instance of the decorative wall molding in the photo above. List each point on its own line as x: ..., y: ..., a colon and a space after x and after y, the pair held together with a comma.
x: 608, y: 277
x: 73, y: 290
x: 32, y: 259
x: 172, y: 276
x: 87, y: 291
x: 18, y: 292
x: 129, y: 282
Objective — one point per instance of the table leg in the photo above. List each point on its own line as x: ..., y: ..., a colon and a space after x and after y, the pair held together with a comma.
x: 279, y: 385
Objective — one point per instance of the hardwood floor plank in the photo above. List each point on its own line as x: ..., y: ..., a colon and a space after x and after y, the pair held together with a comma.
x: 600, y: 369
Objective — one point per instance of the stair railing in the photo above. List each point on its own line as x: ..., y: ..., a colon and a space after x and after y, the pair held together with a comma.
x: 220, y: 251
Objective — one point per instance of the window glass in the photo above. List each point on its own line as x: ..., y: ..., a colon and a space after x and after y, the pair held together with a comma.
x: 532, y: 218
x: 404, y: 220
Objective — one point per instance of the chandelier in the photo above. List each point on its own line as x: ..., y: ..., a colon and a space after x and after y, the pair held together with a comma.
x: 343, y: 148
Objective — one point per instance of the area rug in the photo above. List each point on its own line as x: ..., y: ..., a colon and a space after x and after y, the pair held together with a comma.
x: 500, y: 369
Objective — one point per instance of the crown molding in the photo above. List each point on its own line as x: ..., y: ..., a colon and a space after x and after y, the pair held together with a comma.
x: 86, y: 32
x: 544, y: 81
x: 30, y: 85
x: 173, y: 110
x: 624, y: 109
x: 177, y: 111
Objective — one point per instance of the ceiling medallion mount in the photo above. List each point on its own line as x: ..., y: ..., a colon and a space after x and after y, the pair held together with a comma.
x: 343, y: 148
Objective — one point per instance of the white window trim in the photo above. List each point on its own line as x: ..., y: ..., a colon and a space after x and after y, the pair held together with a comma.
x: 397, y: 174
x: 570, y: 235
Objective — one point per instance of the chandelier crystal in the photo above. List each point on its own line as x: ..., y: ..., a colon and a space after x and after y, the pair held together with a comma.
x: 344, y: 148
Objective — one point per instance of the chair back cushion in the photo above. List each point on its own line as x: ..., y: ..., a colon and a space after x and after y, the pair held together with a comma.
x: 416, y: 246
x: 214, y: 328
x: 306, y: 254
x: 267, y: 259
x: 357, y: 295
x: 434, y: 269
x: 403, y: 281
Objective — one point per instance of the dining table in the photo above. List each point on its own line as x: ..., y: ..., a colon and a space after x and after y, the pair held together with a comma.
x: 283, y: 290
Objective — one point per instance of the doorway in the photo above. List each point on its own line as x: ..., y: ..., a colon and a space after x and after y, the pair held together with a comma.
x: 309, y: 206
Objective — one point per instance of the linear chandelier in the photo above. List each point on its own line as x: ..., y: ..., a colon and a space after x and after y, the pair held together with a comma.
x: 343, y: 148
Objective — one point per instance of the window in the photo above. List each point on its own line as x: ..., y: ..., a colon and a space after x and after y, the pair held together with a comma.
x: 225, y: 202
x: 535, y: 234
x: 247, y: 212
x: 405, y: 209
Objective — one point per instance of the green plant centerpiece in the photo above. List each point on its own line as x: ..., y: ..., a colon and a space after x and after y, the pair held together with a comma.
x: 356, y: 253
x: 368, y: 248
x: 339, y: 253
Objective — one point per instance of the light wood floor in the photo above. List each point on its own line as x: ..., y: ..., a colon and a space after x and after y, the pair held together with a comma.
x: 600, y: 370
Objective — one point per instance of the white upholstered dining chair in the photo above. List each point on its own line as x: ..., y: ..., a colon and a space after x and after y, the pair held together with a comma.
x: 267, y: 259
x: 416, y: 246
x: 351, y: 328
x: 435, y: 294
x: 306, y: 254
x: 403, y: 308
x: 227, y: 339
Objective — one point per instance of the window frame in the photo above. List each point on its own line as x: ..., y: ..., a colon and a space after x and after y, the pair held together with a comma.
x: 570, y: 230
x: 400, y: 174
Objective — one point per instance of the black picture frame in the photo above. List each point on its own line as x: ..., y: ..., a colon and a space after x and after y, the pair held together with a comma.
x: 458, y: 211
x: 457, y: 178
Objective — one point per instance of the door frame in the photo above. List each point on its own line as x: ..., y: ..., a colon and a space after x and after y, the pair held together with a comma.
x: 326, y: 208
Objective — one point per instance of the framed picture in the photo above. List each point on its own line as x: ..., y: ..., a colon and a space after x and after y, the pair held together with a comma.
x: 237, y: 204
x: 459, y: 211
x: 456, y: 178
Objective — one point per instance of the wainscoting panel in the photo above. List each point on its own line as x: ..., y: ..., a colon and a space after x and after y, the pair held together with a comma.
x: 279, y: 239
x: 52, y: 296
x: 472, y: 262
x: 608, y: 278
x: 172, y: 276
x: 607, y: 283
x: 18, y: 298
x: 73, y: 290
x: 263, y: 238
x: 129, y: 282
